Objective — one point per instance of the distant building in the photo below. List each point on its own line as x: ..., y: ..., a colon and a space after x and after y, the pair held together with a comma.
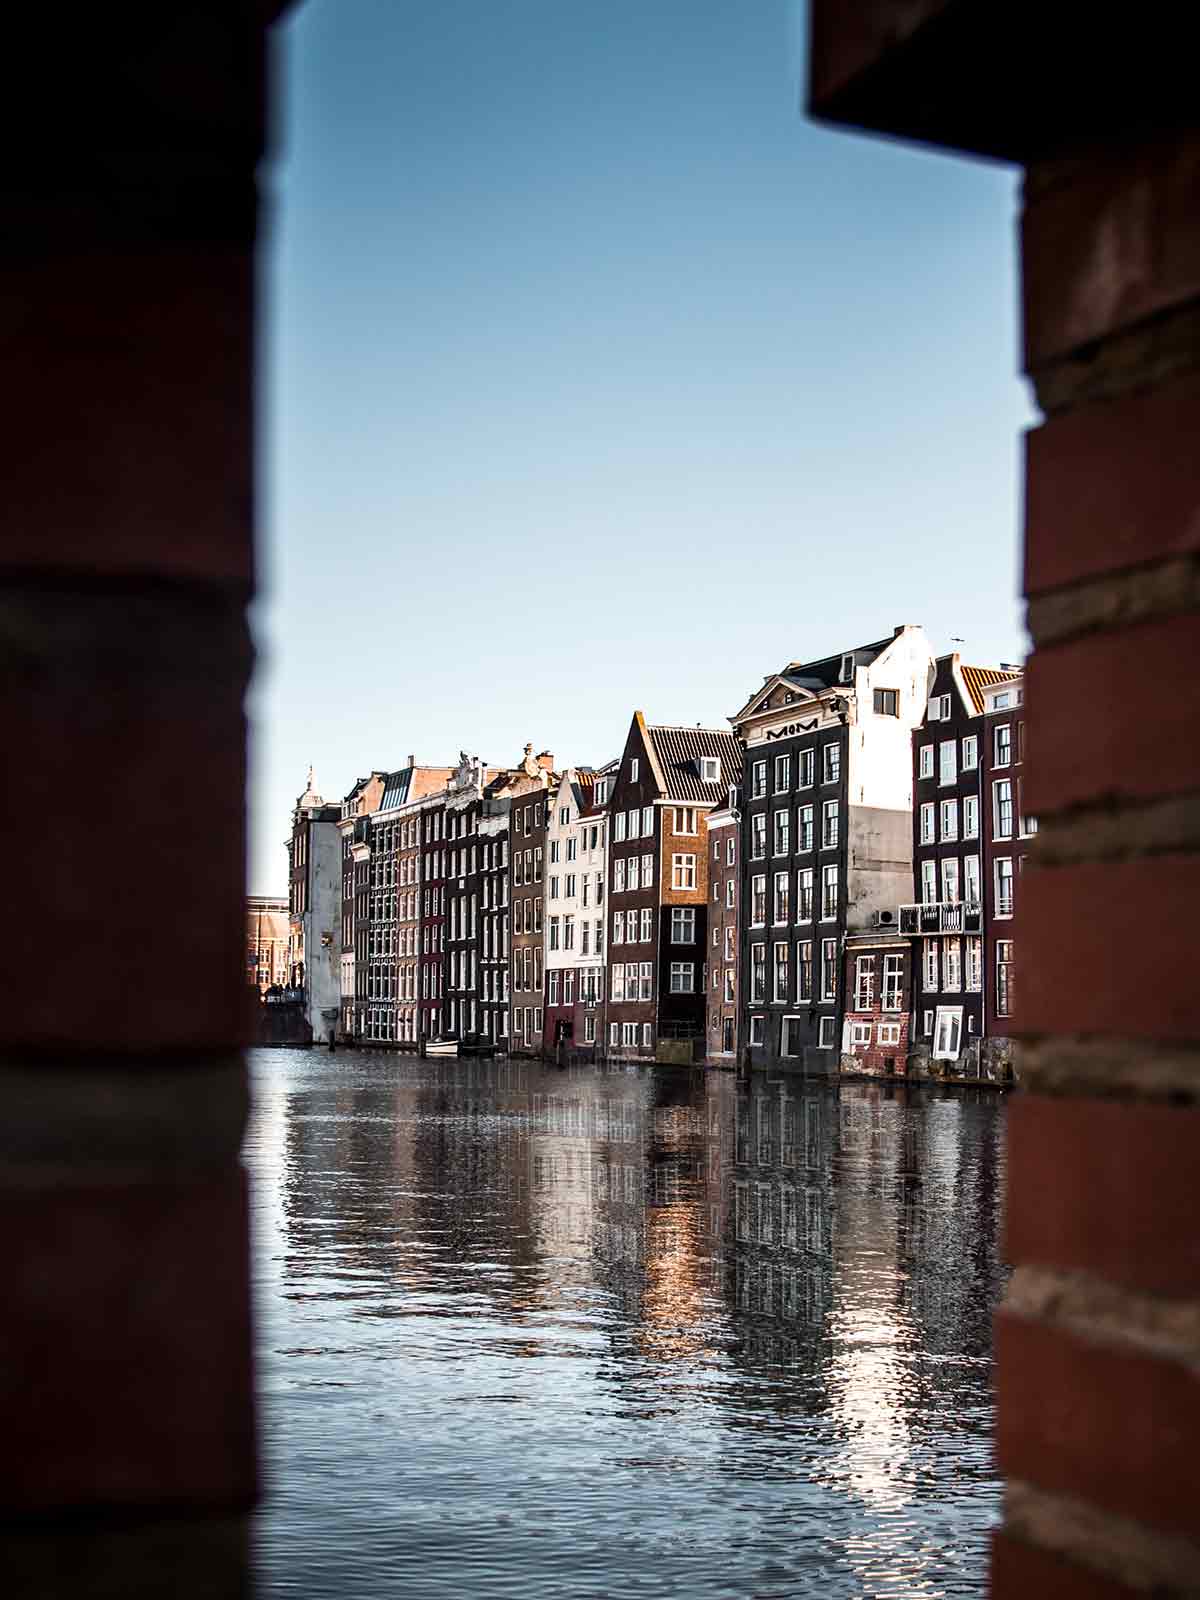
x: 575, y: 911
x: 431, y: 816
x: 950, y: 810
x: 877, y: 982
x: 366, y: 919
x: 314, y: 909
x: 528, y: 791
x: 826, y: 835
x: 1007, y: 833
x: 724, y: 909
x: 667, y: 781
x: 268, y: 936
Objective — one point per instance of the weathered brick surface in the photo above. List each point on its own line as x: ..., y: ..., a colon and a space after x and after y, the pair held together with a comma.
x: 125, y: 1346
x: 1109, y: 748
x: 130, y: 450
x: 1075, y: 976
x: 1098, y: 1422
x: 1065, y: 1153
x: 1109, y: 242
x: 1022, y: 1571
x: 1113, y: 486
x: 127, y: 874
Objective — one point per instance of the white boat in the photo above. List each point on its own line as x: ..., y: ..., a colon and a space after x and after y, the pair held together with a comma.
x: 441, y: 1047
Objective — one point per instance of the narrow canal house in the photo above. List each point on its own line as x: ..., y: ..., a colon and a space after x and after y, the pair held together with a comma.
x: 1008, y: 830
x: 724, y: 909
x: 495, y: 829
x: 946, y: 918
x: 464, y: 802
x: 877, y: 984
x: 529, y: 788
x: 431, y: 818
x: 566, y: 886
x: 588, y: 1033
x: 667, y: 781
x: 826, y: 835
x: 314, y: 910
x: 395, y: 836
x: 362, y: 969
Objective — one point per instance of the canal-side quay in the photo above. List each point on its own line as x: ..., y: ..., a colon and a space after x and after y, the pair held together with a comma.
x: 741, y: 1332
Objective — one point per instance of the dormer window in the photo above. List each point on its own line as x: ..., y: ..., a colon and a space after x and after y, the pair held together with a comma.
x: 846, y: 670
x: 710, y: 769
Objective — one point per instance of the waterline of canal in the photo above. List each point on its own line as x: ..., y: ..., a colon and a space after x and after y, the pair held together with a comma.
x: 620, y: 1332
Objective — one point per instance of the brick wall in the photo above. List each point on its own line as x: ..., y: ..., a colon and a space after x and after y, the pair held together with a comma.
x: 1098, y: 1342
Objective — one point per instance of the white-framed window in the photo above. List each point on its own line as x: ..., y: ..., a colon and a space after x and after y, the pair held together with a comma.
x: 949, y: 820
x: 647, y: 822
x: 647, y: 872
x: 886, y: 702
x: 947, y: 1033
x: 926, y: 1024
x: 683, y: 871
x: 633, y: 877
x: 860, y: 1034
x: 831, y: 763
x: 758, y: 836
x: 782, y: 978
x: 893, y: 982
x: 970, y: 816
x: 685, y: 819
x: 730, y: 894
x: 846, y: 669
x: 647, y: 924
x: 759, y: 901
x: 928, y: 821
x: 647, y: 1035
x: 758, y: 779
x: 783, y: 774
x: 1002, y: 808
x: 629, y: 1035
x: 804, y: 971
x: 710, y: 769
x: 804, y: 818
x: 829, y: 825
x: 950, y: 880
x: 730, y: 985
x: 618, y: 934
x: 948, y: 761
x: 952, y: 965
x: 556, y: 925
x: 618, y: 874
x: 683, y: 925
x: 782, y: 908
x: 925, y: 761
x: 829, y: 892
x: 970, y: 753
x: 758, y: 973
x: 929, y: 968
x: 864, y: 983
x: 804, y: 895
x: 633, y: 824
x: 633, y: 769
x: 589, y: 1027
x: 828, y: 969
x: 971, y: 894
x: 929, y: 892
x: 614, y: 1034
x: 974, y: 965
x: 552, y: 987
x: 888, y: 1033
x: 805, y: 768
x: 683, y: 977
x: 730, y: 851
x: 618, y: 826
x: 757, y: 1029
x: 631, y: 980
x: 826, y: 1032
x: 783, y: 821
x: 1003, y: 876
x: 1002, y: 744
x: 1004, y: 976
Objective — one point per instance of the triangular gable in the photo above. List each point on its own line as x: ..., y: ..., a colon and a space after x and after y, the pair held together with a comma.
x: 774, y: 695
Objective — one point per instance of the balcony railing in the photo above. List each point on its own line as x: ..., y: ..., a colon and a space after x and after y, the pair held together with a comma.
x: 942, y: 916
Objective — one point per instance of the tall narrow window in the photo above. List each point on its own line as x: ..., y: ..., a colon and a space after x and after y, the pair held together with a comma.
x: 782, y: 979
x: 782, y: 912
x: 758, y: 900
x: 804, y: 839
x: 758, y: 836
x: 1004, y: 970
x: 893, y: 982
x: 929, y: 891
x: 758, y: 973
x: 928, y: 813
x: 1004, y: 886
x: 1002, y: 744
x: 829, y: 892
x: 805, y: 766
x: 828, y: 969
x: 829, y: 825
x: 952, y: 964
x: 804, y: 895
x: 1002, y: 808
x: 929, y: 970
x: 783, y: 774
x: 804, y: 970
x: 925, y: 762
x: 831, y: 763
x: 864, y: 983
x: 970, y: 816
x: 948, y: 761
x: 782, y: 832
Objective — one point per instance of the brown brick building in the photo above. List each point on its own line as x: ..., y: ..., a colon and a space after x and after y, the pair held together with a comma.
x: 667, y: 781
x: 877, y: 984
x: 529, y: 792
x: 724, y: 841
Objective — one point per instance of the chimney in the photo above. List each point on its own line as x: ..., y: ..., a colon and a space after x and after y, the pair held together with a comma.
x: 412, y: 761
x: 546, y: 760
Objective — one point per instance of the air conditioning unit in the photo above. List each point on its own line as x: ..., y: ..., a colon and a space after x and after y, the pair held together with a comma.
x: 885, y: 919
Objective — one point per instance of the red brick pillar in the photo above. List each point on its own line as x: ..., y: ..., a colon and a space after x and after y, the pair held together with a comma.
x: 132, y: 134
x: 1098, y: 1342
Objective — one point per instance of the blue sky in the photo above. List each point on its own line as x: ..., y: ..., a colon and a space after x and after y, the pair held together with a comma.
x: 595, y: 377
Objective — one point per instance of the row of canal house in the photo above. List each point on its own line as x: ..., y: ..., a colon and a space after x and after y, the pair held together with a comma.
x: 831, y: 882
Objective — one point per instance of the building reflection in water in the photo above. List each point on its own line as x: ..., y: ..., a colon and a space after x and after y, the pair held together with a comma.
x: 785, y: 1285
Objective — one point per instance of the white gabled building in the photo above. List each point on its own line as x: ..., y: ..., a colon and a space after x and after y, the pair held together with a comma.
x: 576, y: 857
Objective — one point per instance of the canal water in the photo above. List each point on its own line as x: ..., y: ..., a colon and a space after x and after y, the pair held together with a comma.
x: 620, y: 1332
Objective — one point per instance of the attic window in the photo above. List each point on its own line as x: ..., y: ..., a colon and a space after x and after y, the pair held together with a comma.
x: 846, y: 670
x: 710, y: 769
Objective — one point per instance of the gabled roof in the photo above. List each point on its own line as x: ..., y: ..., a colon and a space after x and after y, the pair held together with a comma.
x: 824, y: 674
x: 677, y: 753
x: 979, y: 679
x: 413, y: 783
